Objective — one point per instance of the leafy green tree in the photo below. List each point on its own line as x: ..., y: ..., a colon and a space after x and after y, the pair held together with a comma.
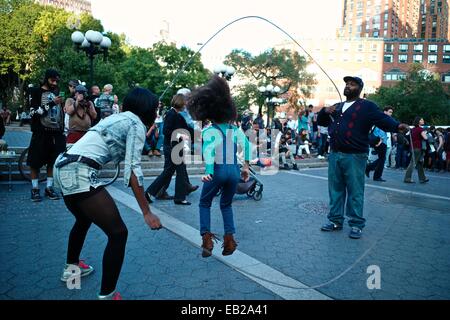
x: 171, y: 60
x: 420, y: 94
x: 139, y: 68
x: 20, y: 46
x: 284, y: 68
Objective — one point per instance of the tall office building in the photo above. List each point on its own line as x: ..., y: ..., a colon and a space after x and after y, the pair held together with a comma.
x: 380, y: 18
x: 392, y: 19
x: 434, y: 19
x: 76, y: 6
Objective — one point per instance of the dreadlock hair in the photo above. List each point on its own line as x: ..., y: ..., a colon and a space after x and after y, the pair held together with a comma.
x: 213, y: 102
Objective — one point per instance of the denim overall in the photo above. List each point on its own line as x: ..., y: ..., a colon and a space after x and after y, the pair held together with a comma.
x: 226, y: 177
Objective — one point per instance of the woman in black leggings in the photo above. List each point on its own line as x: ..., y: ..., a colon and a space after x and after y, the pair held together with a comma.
x: 120, y: 137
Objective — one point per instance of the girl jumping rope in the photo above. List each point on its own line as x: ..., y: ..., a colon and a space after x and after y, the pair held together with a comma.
x: 213, y: 102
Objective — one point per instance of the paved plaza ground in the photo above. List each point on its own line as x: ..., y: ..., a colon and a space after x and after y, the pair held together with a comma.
x: 282, y: 254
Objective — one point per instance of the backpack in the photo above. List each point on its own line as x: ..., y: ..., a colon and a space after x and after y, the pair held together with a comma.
x: 53, y: 117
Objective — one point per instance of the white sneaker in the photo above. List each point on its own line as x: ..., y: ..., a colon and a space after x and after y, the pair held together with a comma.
x: 320, y: 157
x: 72, y: 269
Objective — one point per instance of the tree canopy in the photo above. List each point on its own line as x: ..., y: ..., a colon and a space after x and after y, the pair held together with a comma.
x: 36, y: 37
x: 419, y: 94
x: 284, y: 68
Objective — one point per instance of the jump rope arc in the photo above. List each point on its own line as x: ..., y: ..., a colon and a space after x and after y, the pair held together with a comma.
x: 367, y: 251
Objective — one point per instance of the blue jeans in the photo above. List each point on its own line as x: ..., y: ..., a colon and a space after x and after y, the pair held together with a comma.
x: 346, y: 182
x: 160, y: 141
x: 226, y: 176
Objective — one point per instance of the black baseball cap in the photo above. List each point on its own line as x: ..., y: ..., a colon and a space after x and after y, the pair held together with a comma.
x: 356, y: 79
x: 81, y: 89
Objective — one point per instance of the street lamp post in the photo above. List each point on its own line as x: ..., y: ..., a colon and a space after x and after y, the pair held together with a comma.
x: 270, y: 92
x: 92, y: 43
x: 225, y: 71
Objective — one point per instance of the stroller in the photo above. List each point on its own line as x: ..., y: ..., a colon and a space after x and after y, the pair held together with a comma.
x: 253, y: 187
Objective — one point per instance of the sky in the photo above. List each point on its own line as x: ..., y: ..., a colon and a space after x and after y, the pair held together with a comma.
x: 192, y: 23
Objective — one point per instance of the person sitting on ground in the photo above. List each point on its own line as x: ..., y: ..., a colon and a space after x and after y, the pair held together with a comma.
x: 304, y: 144
x: 285, y: 151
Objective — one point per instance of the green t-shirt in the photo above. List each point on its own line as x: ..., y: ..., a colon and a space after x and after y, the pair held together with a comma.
x: 212, y: 138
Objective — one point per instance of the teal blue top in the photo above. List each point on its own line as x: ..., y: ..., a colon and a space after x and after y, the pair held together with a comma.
x: 212, y: 138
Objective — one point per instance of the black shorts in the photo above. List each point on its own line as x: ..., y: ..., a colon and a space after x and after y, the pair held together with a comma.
x: 45, y: 148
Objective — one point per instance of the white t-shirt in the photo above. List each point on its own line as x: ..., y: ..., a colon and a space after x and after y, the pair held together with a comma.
x: 292, y: 124
x: 347, y: 105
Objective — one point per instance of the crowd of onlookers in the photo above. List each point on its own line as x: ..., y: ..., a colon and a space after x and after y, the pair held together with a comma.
x: 296, y: 137
x: 436, y: 150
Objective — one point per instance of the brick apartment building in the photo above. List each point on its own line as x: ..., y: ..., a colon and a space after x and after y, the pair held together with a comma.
x: 76, y: 6
x: 378, y: 41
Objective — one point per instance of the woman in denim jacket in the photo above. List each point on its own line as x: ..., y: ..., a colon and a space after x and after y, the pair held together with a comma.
x: 213, y: 102
x: 120, y: 137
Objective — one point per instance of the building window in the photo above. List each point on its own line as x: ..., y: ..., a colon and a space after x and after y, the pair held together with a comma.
x: 389, y: 58
x: 446, y: 77
x: 446, y: 59
x: 388, y: 47
x: 432, y: 58
x: 418, y: 48
x: 403, y: 48
x: 447, y: 48
x: 432, y: 48
x: 394, y: 75
x: 403, y: 58
x: 417, y: 58
x: 374, y: 58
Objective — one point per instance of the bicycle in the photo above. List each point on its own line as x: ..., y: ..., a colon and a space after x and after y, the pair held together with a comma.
x: 105, y: 177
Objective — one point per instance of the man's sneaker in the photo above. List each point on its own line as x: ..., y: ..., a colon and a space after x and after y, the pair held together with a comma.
x: 330, y: 226
x: 320, y: 157
x: 355, y: 233
x: 35, y: 195
x: 71, y: 269
x: 51, y: 194
x: 295, y: 167
x: 112, y: 296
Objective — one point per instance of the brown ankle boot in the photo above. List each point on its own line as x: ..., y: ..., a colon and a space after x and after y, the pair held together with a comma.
x: 229, y: 245
x: 208, y: 244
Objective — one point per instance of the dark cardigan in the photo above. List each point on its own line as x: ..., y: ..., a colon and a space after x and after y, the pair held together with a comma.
x: 349, y: 131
